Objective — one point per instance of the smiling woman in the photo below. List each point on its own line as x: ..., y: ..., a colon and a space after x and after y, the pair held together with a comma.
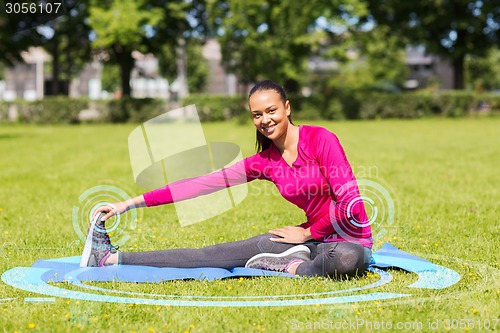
x: 309, y: 168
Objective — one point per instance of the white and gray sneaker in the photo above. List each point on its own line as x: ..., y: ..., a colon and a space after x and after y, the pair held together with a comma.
x: 280, y: 262
x: 98, y: 246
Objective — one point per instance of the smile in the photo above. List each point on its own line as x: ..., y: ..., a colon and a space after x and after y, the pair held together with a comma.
x: 268, y: 129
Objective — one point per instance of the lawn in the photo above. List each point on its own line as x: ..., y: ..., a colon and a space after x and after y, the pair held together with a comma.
x: 441, y: 173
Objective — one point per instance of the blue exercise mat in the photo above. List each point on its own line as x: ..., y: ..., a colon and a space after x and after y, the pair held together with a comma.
x: 67, y: 269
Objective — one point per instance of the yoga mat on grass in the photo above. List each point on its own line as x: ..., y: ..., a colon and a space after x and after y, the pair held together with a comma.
x: 65, y: 269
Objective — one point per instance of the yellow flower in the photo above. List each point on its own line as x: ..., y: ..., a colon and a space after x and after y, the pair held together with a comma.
x: 67, y: 315
x: 151, y: 330
x: 31, y: 325
x: 191, y: 326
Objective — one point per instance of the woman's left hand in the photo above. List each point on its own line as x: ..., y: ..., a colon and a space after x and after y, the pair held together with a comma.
x: 292, y: 235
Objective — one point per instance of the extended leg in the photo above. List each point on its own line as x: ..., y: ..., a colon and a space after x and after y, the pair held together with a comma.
x: 225, y: 255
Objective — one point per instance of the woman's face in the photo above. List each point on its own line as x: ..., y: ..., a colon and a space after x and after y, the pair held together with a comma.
x: 269, y: 113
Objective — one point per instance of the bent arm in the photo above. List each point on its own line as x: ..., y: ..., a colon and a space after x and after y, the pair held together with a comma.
x: 347, y: 204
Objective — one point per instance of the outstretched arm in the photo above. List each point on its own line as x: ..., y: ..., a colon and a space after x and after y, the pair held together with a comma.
x: 243, y: 171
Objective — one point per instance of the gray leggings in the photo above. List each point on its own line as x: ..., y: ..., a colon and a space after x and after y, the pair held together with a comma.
x: 334, y: 259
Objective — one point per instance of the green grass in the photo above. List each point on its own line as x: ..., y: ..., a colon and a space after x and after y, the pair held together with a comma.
x: 442, y: 174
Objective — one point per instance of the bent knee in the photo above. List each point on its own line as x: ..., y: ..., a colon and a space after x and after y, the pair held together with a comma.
x: 348, y: 259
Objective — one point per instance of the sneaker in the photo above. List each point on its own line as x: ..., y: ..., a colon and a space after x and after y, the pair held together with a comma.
x: 98, y: 245
x: 280, y: 262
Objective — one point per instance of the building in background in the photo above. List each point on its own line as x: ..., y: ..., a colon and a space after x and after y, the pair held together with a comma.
x: 27, y: 80
x: 426, y: 69
x: 218, y: 81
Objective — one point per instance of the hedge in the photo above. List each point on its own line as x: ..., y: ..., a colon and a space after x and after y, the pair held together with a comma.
x: 4, y: 111
x: 371, y: 105
x: 132, y: 110
x: 51, y: 110
x: 343, y: 104
x: 217, y: 107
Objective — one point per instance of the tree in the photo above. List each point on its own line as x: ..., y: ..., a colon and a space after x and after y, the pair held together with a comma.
x: 121, y: 27
x: 451, y: 29
x: 273, y: 39
x: 15, y: 36
x: 483, y: 73
x: 148, y: 26
x: 67, y: 40
x: 186, y: 22
x: 385, y: 59
x: 196, y: 65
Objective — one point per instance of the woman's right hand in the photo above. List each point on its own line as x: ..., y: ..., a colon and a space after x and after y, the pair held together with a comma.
x: 111, y: 210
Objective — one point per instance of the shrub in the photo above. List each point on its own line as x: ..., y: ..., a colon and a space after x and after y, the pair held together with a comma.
x: 456, y: 103
x: 134, y: 110
x: 4, y: 111
x: 51, y: 110
x: 217, y: 107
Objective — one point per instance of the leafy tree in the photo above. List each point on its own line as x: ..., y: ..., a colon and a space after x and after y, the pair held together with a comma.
x: 452, y: 29
x: 14, y: 37
x: 121, y: 27
x: 155, y: 26
x: 110, y: 80
x: 196, y: 65
x: 273, y: 39
x: 385, y: 59
x: 67, y: 40
x: 483, y: 73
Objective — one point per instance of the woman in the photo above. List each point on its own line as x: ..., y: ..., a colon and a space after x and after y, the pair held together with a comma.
x: 309, y: 168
